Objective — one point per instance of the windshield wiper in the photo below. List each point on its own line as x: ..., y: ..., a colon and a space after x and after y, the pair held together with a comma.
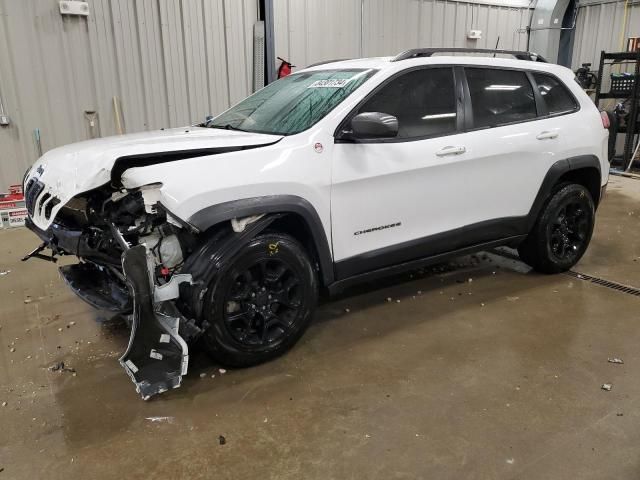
x: 227, y: 126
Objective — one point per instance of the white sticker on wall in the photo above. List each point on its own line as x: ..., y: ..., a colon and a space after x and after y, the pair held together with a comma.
x: 541, y: 21
x: 331, y: 83
x: 555, y: 21
x: 17, y: 217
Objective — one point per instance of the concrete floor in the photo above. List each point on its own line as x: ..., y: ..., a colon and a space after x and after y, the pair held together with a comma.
x: 497, y: 378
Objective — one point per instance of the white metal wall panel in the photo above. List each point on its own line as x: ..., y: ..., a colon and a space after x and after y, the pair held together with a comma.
x: 169, y: 63
x: 307, y: 31
x: 599, y: 26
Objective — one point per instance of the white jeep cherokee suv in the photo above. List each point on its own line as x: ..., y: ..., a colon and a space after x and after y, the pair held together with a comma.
x: 339, y: 173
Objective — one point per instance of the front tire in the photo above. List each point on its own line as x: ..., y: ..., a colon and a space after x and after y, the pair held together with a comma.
x: 261, y: 302
x: 562, y: 232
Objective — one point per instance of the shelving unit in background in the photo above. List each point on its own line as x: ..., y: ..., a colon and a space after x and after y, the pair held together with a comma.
x: 633, y: 94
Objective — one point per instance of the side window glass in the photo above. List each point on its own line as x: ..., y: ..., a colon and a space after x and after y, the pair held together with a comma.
x: 499, y: 97
x: 554, y: 94
x: 423, y: 101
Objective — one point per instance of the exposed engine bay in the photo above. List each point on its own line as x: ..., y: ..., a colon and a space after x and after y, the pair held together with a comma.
x: 132, y: 255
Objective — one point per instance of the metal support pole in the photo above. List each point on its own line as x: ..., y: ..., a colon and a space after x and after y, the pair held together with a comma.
x: 269, y: 42
x: 632, y: 124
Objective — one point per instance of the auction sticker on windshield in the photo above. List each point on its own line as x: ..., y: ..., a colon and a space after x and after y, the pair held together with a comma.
x: 331, y: 83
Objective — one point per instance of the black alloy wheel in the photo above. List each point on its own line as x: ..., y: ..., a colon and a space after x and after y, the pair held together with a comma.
x: 261, y: 302
x: 562, y: 231
x: 570, y: 231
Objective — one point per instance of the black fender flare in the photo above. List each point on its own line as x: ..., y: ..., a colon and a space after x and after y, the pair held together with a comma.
x: 557, y: 170
x: 215, y: 214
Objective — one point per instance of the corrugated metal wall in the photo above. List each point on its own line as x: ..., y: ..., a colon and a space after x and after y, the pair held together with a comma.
x: 308, y: 31
x: 169, y: 62
x: 598, y: 28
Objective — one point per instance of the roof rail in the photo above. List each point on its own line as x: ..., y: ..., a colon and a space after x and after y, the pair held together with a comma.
x: 427, y: 52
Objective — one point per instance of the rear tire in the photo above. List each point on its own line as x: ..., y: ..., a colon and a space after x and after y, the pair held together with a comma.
x: 562, y: 232
x: 261, y: 302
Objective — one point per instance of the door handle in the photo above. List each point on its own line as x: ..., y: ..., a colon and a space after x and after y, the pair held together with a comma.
x: 547, y: 135
x: 450, y: 150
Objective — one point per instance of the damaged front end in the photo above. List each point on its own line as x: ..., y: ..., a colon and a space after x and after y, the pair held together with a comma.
x: 131, y: 253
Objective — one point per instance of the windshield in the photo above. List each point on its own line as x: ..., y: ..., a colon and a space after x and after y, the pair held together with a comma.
x: 292, y: 104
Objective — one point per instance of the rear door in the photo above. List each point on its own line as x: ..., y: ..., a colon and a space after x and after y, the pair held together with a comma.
x: 508, y: 150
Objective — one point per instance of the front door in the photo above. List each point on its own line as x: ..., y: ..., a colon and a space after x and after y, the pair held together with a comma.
x: 387, y: 193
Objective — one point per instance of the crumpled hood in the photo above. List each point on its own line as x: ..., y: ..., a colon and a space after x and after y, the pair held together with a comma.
x: 76, y: 168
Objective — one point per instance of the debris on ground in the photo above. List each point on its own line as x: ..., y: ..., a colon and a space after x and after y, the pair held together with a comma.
x: 28, y: 300
x: 389, y: 299
x: 607, y: 387
x: 4, y: 272
x: 222, y: 371
x: 221, y: 440
x: 513, y: 299
x: 398, y: 301
x: 346, y: 310
x: 615, y: 360
x: 619, y: 414
x: 202, y: 375
x: 12, y: 349
x: 4, y: 404
x: 160, y: 419
x: 510, y: 461
x: 61, y: 367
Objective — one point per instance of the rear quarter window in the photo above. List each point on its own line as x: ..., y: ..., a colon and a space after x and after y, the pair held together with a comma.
x: 555, y: 94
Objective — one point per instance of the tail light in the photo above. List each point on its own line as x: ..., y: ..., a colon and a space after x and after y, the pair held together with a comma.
x: 605, y: 120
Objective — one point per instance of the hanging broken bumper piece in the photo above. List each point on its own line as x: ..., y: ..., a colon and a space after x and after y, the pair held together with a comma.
x: 157, y: 357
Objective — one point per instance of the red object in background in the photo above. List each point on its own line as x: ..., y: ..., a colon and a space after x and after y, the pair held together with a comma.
x: 15, y: 194
x: 285, y: 68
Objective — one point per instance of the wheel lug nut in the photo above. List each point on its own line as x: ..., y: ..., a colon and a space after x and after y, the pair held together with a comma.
x: 253, y: 294
x: 263, y: 289
x: 269, y: 297
x: 264, y: 308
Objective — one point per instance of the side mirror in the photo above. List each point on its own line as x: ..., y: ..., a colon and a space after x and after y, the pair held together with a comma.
x: 374, y: 125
